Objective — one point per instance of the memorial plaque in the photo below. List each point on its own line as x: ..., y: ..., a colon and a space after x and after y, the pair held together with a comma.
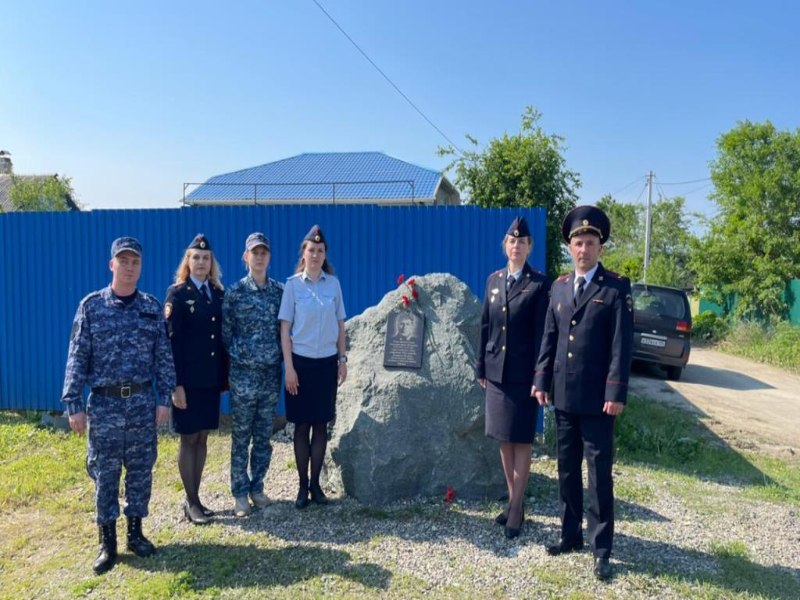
x: 405, y: 335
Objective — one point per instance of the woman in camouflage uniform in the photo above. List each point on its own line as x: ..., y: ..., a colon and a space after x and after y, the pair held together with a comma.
x: 251, y: 335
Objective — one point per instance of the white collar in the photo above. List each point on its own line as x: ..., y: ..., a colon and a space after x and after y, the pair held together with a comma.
x: 516, y: 274
x: 588, y: 276
x: 199, y: 284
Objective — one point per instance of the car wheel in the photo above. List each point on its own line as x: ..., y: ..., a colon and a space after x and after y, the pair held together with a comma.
x: 674, y: 373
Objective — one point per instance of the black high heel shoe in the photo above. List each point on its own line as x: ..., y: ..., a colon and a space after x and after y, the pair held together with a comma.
x: 302, y: 499
x: 512, y: 532
x: 317, y: 495
x: 501, y: 518
x: 194, y: 520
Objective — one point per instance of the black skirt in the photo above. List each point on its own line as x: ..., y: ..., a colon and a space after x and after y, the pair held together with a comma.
x: 315, y: 401
x: 201, y: 412
x: 511, y: 412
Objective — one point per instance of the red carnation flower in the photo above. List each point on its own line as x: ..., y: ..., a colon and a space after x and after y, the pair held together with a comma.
x: 405, y: 300
x: 400, y: 279
x: 414, y: 293
x: 411, y: 281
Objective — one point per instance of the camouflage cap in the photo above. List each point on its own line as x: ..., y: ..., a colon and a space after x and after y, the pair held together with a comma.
x: 125, y: 243
x: 256, y: 239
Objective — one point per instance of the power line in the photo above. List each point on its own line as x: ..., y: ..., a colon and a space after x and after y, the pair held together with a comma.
x: 386, y: 77
x: 685, y: 182
x: 644, y: 187
x: 622, y: 189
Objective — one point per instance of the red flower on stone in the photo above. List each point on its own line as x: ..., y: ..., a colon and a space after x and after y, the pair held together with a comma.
x: 405, y: 300
x: 411, y: 281
x: 400, y: 279
x: 414, y: 293
x: 449, y: 495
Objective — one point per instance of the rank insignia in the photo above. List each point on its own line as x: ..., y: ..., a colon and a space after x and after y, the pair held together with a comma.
x: 190, y: 302
x: 191, y: 309
x: 496, y: 291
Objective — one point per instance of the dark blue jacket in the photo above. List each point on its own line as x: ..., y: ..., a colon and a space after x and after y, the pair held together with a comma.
x: 586, y: 349
x: 511, y: 326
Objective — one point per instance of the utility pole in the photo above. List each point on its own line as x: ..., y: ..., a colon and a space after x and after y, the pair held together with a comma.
x: 648, y: 224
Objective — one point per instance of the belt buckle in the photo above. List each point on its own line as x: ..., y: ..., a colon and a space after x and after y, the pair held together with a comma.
x: 125, y: 392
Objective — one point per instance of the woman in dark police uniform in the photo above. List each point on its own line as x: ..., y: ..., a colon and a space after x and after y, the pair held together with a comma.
x: 313, y: 341
x: 514, y: 309
x: 193, y: 309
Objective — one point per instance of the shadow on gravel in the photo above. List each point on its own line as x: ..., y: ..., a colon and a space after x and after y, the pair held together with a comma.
x: 724, y: 569
x: 233, y: 566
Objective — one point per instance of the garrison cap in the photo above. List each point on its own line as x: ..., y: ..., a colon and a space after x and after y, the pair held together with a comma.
x: 200, y: 242
x: 315, y: 235
x: 519, y: 228
x: 256, y: 239
x: 586, y: 219
x: 125, y: 243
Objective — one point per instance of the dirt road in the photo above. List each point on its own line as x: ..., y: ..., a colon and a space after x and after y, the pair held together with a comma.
x: 747, y: 403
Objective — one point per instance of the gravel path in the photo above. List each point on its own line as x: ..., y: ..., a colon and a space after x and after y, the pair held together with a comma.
x: 664, y: 540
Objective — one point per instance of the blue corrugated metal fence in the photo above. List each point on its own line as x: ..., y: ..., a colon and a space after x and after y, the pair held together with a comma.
x: 51, y: 260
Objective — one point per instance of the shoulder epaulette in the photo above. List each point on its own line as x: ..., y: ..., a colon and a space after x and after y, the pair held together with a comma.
x: 150, y: 298
x: 563, y: 278
x: 615, y: 275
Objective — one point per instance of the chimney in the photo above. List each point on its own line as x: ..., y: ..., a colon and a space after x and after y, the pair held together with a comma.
x: 5, y: 163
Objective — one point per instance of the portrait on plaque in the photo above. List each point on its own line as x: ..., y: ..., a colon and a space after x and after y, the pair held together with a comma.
x: 404, y: 340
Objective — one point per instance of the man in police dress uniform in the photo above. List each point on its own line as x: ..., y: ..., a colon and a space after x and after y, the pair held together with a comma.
x: 118, y: 347
x: 586, y: 351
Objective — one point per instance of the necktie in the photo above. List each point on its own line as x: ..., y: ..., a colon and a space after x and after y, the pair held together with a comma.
x: 580, y: 281
x: 510, y: 282
x: 205, y: 292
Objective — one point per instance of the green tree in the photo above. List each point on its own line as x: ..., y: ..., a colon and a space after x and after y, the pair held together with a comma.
x: 41, y: 194
x: 752, y: 247
x: 670, y: 241
x: 525, y: 169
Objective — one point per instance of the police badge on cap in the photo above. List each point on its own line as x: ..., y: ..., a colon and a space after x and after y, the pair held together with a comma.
x: 586, y: 219
x: 200, y: 242
x: 315, y: 235
x: 519, y: 228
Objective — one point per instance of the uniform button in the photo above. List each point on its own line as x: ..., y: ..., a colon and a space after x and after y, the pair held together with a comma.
x: 504, y: 348
x: 574, y: 322
x: 504, y: 327
x: 212, y: 336
x: 571, y: 338
x: 212, y: 354
x: 504, y: 309
x: 569, y: 354
x: 213, y: 318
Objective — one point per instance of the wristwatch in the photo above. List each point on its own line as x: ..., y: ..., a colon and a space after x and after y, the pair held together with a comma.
x: 343, y: 358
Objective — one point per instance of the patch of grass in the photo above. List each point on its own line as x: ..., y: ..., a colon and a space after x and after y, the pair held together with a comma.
x: 85, y: 587
x: 666, y: 437
x: 633, y: 490
x: 775, y: 344
x: 290, y: 465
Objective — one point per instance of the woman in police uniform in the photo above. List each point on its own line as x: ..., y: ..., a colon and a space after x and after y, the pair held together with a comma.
x: 514, y: 309
x: 193, y: 309
x: 313, y: 341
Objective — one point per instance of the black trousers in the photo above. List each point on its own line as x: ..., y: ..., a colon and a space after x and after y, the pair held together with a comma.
x: 592, y: 436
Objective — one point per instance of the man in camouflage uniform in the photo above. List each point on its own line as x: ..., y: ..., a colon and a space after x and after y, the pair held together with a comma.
x: 251, y: 335
x: 118, y: 347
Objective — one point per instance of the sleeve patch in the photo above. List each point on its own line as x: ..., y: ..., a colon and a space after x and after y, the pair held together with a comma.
x: 167, y: 310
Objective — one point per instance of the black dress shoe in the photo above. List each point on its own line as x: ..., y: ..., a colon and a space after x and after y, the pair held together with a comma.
x: 501, y: 518
x: 564, y: 547
x: 317, y: 495
x: 512, y: 532
x: 207, y: 511
x: 302, y: 499
x: 193, y: 517
x: 602, y: 569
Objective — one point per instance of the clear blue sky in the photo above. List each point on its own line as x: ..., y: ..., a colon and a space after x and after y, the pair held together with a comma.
x: 134, y: 100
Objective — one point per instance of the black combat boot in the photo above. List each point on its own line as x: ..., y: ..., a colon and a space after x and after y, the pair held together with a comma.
x: 108, y: 548
x: 137, y: 543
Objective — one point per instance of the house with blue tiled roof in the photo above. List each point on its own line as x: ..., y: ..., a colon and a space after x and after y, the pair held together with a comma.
x: 327, y: 178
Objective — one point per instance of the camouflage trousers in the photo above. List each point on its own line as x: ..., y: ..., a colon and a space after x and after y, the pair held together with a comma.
x: 122, y: 432
x: 254, y: 399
